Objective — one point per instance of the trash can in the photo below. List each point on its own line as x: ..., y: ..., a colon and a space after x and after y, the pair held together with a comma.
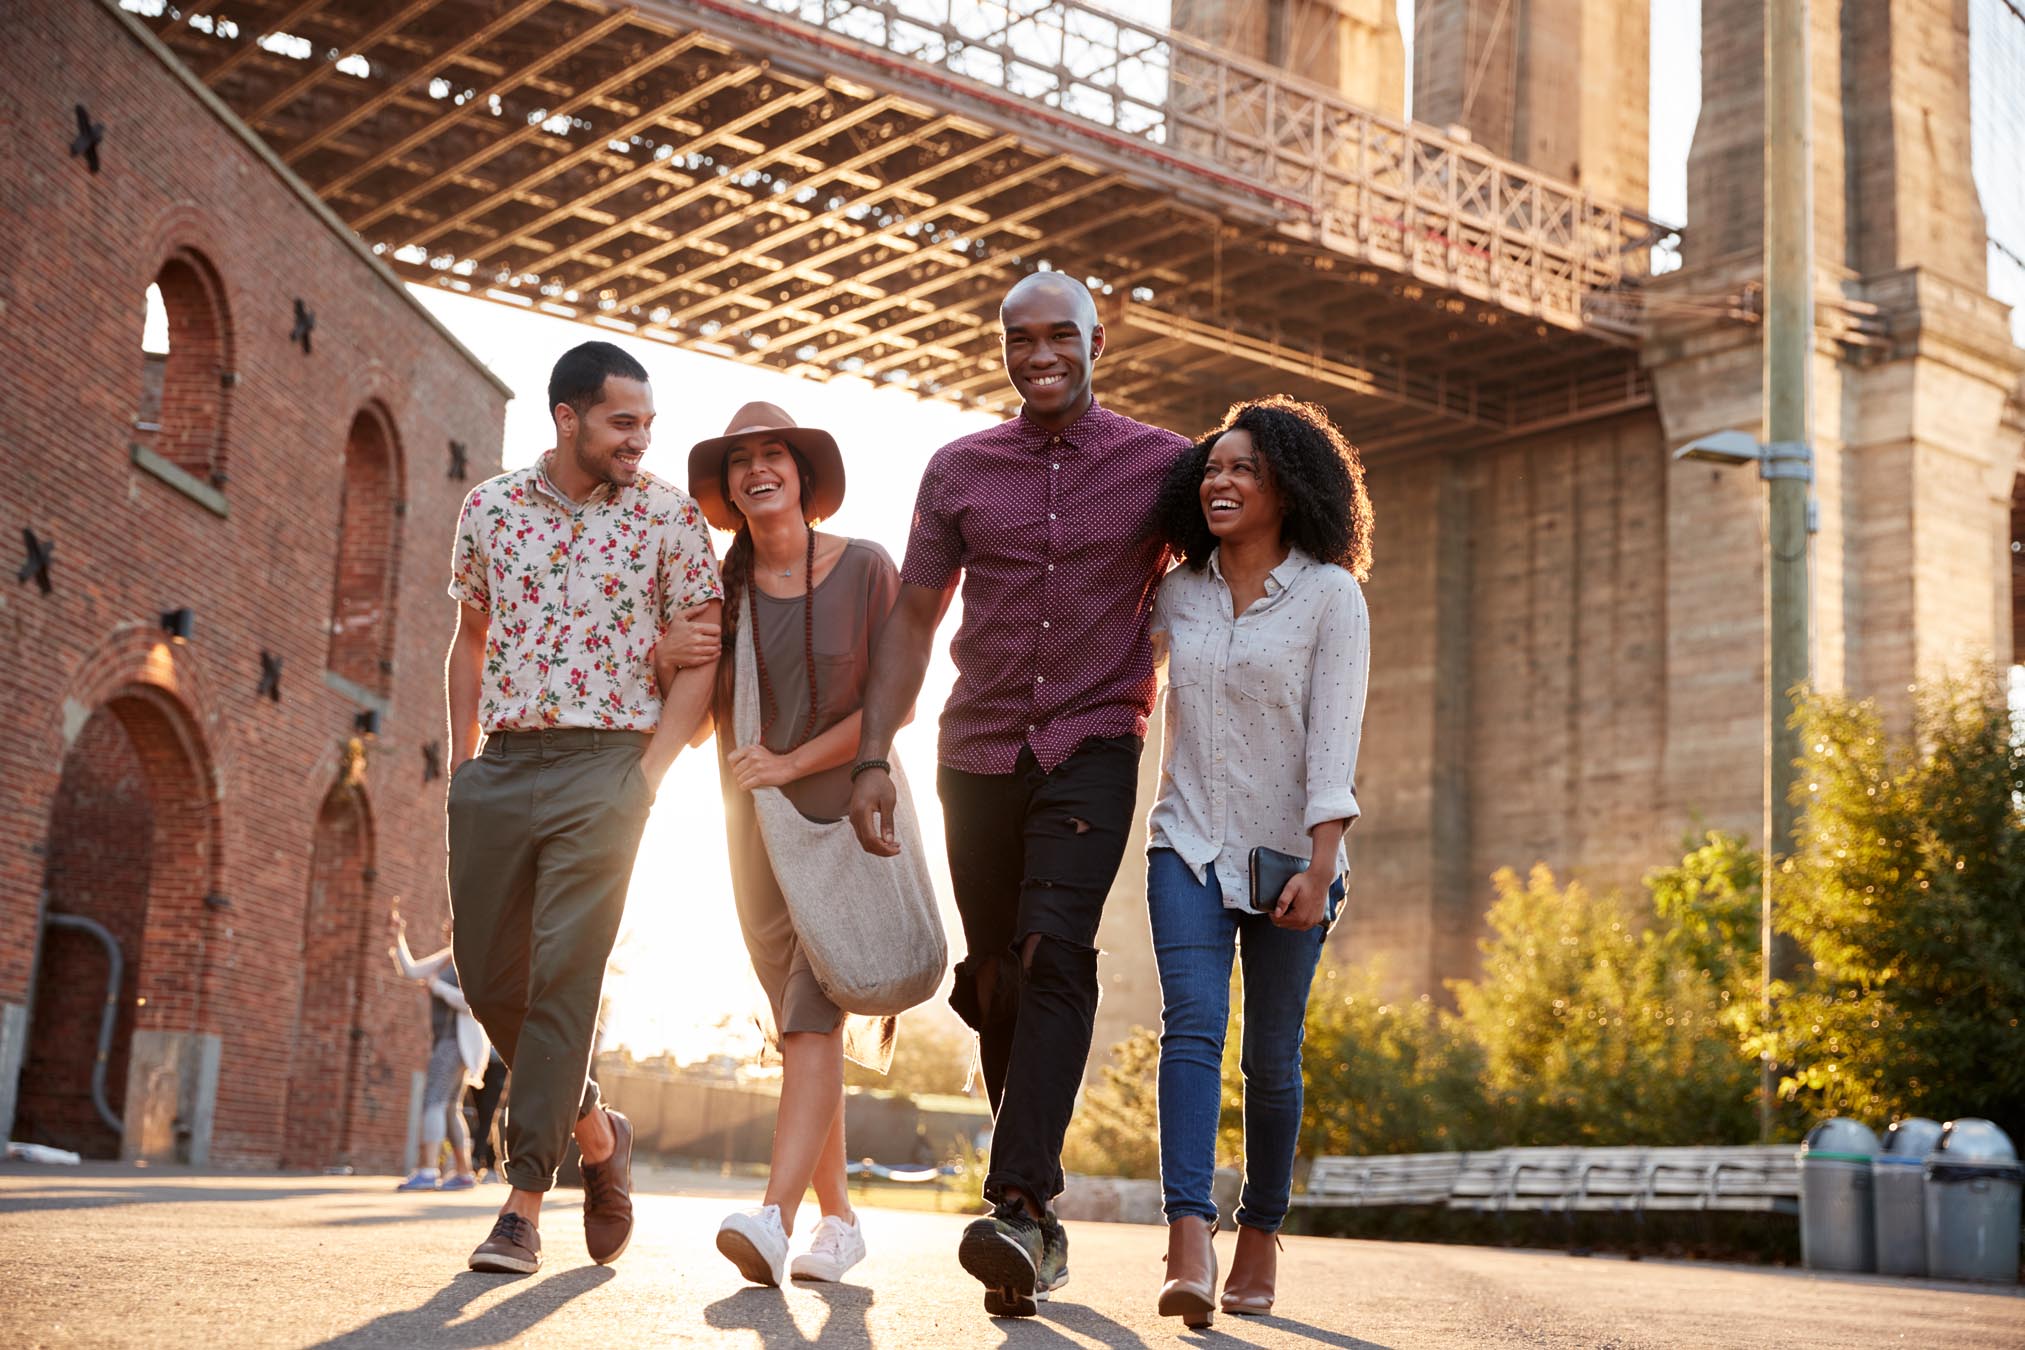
x: 1973, y: 1181
x: 1837, y: 1228
x: 1899, y: 1191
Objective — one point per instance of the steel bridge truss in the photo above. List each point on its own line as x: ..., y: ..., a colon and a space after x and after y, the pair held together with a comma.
x: 847, y: 186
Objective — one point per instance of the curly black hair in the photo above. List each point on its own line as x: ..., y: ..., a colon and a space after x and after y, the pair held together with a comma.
x: 1318, y: 473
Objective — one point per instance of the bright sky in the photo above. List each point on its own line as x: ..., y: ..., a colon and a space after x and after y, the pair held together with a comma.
x: 680, y: 978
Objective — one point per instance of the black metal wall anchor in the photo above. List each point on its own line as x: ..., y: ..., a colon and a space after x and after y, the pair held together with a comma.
x: 89, y: 136
x: 36, y: 569
x: 458, y: 454
x: 432, y: 761
x: 305, y: 324
x: 270, y: 677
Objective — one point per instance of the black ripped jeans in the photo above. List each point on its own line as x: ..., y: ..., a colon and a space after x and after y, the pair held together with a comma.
x: 1034, y: 853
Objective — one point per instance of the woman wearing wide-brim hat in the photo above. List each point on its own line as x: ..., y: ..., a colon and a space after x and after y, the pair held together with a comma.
x: 817, y: 602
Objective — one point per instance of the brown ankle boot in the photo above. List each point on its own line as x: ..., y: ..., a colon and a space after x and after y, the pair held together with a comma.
x: 1249, y: 1290
x: 1191, y: 1272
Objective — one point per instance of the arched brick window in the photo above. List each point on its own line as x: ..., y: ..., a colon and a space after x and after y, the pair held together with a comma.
x: 336, y: 931
x: 185, y: 360
x: 368, y: 554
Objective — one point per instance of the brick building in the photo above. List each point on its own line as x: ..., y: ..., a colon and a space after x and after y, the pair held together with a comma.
x: 252, y: 497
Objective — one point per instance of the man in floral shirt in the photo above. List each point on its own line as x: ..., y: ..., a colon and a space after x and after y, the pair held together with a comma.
x: 565, y: 572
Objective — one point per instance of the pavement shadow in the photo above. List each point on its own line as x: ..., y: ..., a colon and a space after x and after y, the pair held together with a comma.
x: 504, y: 1321
x: 1305, y: 1330
x: 1083, y: 1321
x: 103, y: 1197
x: 765, y: 1311
x: 420, y: 1213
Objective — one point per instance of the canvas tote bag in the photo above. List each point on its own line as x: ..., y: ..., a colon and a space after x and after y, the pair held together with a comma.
x: 869, y: 925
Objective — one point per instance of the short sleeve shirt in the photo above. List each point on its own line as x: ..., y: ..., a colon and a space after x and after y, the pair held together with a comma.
x: 576, y: 595
x: 1057, y: 539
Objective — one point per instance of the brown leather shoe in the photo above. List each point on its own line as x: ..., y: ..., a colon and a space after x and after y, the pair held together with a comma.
x: 1191, y: 1272
x: 514, y: 1247
x: 608, y: 1196
x: 1249, y: 1290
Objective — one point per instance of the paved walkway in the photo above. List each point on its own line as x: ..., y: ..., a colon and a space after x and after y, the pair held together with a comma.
x: 115, y: 1257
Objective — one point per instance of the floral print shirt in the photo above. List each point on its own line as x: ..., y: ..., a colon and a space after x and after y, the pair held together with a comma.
x: 577, y: 594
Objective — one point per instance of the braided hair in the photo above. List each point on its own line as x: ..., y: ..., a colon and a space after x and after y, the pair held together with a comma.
x: 736, y: 572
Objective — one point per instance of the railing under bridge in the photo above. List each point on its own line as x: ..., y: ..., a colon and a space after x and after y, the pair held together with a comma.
x: 1399, y: 195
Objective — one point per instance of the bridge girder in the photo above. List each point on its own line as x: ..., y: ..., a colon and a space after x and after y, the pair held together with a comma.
x: 848, y: 187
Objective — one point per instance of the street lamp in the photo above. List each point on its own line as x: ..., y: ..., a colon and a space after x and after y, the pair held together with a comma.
x: 1788, y: 466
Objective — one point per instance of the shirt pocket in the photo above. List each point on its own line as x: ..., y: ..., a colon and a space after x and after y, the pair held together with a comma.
x: 1191, y: 654
x: 1270, y: 668
x: 838, y: 691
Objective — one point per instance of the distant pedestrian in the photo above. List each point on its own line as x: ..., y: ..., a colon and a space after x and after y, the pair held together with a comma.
x: 1050, y: 523
x: 457, y: 1054
x: 566, y: 573
x: 485, y: 1111
x: 1267, y: 643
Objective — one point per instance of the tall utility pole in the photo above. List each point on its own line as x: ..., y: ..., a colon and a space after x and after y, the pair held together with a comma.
x: 1788, y: 459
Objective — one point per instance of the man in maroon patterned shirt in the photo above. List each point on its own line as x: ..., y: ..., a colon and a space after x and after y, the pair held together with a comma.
x: 1048, y: 520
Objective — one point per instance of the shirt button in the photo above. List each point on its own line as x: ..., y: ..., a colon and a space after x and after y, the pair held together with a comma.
x: 1031, y: 728
x: 1051, y: 567
x: 1054, y: 467
x: 1040, y: 679
x: 1046, y: 624
x: 1051, y: 515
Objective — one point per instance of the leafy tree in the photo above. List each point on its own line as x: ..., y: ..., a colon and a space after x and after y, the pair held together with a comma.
x: 1116, y: 1128
x: 1604, y: 1023
x: 1382, y: 1074
x: 1910, y: 871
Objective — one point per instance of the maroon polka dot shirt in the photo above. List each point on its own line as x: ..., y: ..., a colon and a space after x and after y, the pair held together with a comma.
x: 1055, y: 536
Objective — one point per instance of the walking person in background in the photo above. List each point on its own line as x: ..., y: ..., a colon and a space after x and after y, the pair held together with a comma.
x: 485, y: 1138
x: 1050, y: 522
x: 458, y: 1051
x: 1267, y: 643
x: 566, y: 573
x: 816, y: 603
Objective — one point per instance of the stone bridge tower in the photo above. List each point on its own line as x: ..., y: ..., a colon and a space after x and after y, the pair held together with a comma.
x: 1571, y: 626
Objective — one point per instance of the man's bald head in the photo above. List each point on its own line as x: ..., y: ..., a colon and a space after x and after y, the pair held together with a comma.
x: 1052, y: 289
x: 1052, y: 341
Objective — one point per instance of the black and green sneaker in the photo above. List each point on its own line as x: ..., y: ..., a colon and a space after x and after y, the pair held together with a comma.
x: 1054, y: 1268
x: 1004, y: 1251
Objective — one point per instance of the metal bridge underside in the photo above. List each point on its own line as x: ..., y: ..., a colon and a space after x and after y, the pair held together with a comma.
x: 725, y: 177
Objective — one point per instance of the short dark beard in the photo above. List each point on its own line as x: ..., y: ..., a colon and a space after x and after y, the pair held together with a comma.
x: 576, y: 453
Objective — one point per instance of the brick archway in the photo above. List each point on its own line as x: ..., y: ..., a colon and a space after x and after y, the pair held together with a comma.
x: 368, y: 553
x: 130, y: 846
x: 337, y: 934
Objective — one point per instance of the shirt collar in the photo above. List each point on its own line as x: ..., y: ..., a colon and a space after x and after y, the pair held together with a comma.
x: 600, y: 493
x: 1077, y: 434
x: 1277, y: 580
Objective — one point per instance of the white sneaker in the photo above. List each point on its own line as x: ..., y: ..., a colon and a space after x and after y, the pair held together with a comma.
x: 834, y: 1249
x: 755, y: 1242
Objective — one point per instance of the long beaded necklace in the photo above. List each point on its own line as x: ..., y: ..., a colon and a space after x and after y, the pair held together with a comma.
x: 768, y: 706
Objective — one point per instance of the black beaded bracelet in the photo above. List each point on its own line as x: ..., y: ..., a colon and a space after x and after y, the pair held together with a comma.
x: 866, y: 765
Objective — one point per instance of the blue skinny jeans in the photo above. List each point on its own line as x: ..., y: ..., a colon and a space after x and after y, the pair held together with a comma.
x: 1194, y: 939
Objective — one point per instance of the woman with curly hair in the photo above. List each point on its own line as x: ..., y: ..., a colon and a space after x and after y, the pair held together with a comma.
x: 1267, y: 643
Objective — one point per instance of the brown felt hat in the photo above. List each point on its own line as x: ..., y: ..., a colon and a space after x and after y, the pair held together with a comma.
x: 819, y: 448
